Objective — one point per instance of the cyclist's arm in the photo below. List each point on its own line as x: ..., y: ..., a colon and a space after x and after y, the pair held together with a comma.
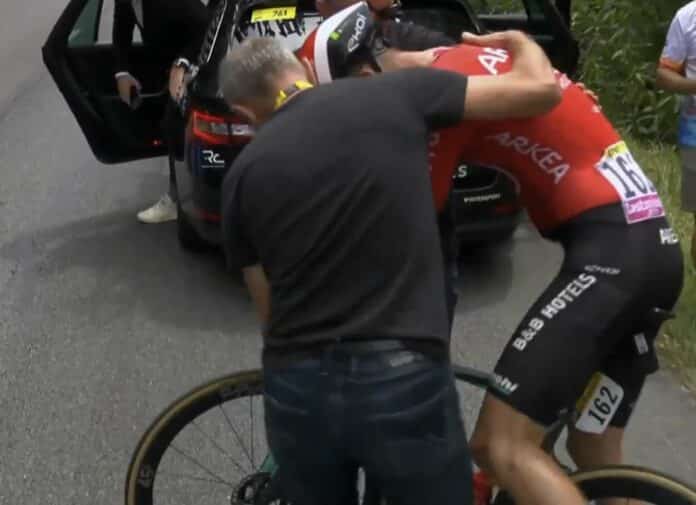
x: 529, y: 89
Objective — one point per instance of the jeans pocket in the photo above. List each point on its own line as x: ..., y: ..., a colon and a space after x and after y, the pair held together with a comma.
x: 286, y: 424
x: 420, y: 439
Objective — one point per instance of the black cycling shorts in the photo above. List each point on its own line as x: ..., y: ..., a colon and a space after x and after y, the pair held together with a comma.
x: 588, y: 341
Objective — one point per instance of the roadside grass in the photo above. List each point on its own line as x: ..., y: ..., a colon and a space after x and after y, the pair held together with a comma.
x: 677, y: 344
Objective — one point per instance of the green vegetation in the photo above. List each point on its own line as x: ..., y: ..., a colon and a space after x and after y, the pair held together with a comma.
x: 621, y: 43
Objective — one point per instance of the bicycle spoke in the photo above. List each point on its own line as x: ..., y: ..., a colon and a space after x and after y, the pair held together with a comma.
x: 236, y: 434
x: 201, y: 466
x: 215, y: 444
x: 193, y: 477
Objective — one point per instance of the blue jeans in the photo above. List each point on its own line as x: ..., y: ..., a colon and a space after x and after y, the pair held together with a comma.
x: 393, y: 413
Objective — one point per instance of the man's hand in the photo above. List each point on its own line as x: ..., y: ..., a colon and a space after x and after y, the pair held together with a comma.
x: 124, y: 83
x: 177, y: 77
x: 506, y: 39
x: 529, y: 89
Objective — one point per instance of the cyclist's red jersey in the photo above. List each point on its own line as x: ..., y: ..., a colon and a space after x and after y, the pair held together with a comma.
x: 566, y: 162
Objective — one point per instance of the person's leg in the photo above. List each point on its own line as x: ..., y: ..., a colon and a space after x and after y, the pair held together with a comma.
x: 617, y: 387
x: 543, y: 370
x: 688, y: 190
x: 414, y: 444
x: 165, y: 208
x: 312, y: 469
x: 623, y: 373
x: 693, y: 242
x: 507, y: 445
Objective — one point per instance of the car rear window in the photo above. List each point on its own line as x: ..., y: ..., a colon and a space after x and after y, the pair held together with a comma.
x: 495, y: 7
x: 290, y: 27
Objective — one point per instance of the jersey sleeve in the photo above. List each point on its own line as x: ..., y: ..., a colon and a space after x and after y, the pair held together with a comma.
x: 435, y: 95
x: 675, y: 50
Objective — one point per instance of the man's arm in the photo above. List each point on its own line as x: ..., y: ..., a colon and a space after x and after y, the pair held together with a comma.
x: 259, y: 290
x: 671, y: 80
x: 238, y: 246
x: 529, y: 89
x: 670, y: 72
x: 122, y: 33
x: 194, y: 18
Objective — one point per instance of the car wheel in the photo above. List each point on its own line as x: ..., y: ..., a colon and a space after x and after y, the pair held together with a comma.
x: 189, y: 239
x: 499, y: 239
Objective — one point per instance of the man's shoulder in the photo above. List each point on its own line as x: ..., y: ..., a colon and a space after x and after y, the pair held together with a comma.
x: 687, y: 15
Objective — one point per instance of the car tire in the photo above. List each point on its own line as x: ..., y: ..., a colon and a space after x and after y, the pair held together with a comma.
x: 189, y: 239
x: 500, y: 239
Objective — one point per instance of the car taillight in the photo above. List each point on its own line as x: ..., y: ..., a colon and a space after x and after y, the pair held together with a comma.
x: 220, y: 129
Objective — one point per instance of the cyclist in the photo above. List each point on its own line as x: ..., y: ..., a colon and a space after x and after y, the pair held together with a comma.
x: 340, y: 256
x: 406, y: 36
x: 592, y: 325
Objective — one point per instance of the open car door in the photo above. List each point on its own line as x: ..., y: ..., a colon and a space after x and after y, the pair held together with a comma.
x: 80, y: 58
x: 546, y: 20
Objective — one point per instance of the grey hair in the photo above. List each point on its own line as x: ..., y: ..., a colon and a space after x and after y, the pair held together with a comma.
x: 250, y: 70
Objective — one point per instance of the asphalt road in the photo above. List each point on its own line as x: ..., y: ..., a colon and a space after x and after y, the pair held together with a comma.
x: 104, y: 321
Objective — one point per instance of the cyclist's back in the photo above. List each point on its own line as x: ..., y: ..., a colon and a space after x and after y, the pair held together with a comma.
x: 554, y: 157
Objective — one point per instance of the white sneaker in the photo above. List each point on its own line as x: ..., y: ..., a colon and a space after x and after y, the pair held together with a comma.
x: 161, y: 212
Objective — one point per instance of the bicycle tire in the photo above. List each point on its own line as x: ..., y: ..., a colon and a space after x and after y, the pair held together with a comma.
x: 478, y: 378
x: 625, y: 482
x: 142, y: 469
x: 639, y: 483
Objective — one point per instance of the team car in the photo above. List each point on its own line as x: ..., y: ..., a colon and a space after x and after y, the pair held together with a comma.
x: 484, y: 201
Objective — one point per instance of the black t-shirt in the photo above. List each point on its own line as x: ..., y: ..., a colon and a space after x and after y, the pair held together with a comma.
x: 333, y: 198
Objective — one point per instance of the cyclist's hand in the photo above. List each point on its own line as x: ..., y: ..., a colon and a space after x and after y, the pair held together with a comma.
x: 125, y: 83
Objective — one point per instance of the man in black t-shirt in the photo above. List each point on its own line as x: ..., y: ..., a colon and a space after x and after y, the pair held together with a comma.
x: 329, y: 214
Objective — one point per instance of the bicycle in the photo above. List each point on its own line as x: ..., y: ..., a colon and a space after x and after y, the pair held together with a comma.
x: 157, y: 445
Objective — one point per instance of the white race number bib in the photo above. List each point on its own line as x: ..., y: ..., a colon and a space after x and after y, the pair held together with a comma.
x: 638, y: 195
x: 599, y: 404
